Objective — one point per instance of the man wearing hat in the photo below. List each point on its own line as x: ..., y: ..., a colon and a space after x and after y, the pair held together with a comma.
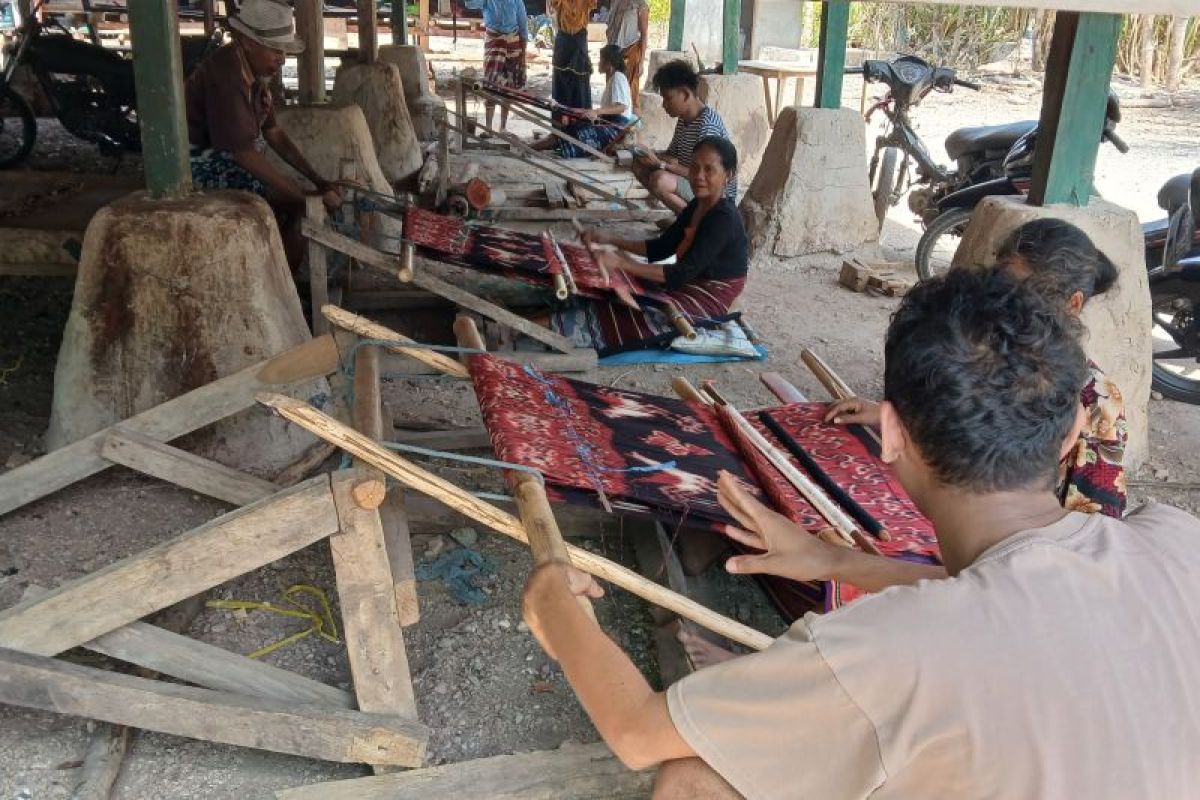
x: 231, y: 120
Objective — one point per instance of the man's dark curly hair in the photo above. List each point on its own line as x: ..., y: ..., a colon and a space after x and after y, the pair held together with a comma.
x: 676, y: 75
x: 985, y: 374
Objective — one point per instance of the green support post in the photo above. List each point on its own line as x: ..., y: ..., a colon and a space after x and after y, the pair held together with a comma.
x: 1074, y: 101
x: 831, y: 55
x: 158, y: 78
x: 731, y: 40
x: 675, y: 30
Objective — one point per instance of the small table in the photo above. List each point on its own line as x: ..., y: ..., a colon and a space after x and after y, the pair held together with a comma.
x: 780, y: 71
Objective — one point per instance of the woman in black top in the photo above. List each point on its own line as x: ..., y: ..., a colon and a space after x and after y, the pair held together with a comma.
x: 711, y: 253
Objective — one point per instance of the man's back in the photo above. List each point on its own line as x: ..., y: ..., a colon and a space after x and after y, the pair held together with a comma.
x: 1059, y: 664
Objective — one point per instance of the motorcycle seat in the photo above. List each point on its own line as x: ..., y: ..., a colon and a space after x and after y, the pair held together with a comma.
x: 1174, y: 193
x: 986, y: 137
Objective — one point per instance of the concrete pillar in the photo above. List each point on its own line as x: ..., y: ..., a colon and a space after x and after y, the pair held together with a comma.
x: 171, y: 295
x: 1118, y: 323
x: 329, y: 136
x: 378, y: 91
x: 425, y: 108
x: 811, y: 193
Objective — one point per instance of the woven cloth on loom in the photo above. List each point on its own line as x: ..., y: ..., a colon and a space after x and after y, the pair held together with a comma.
x: 660, y: 457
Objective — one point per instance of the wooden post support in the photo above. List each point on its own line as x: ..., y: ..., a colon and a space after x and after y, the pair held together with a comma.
x: 675, y: 26
x: 368, y: 31
x: 310, y: 27
x: 368, y: 329
x: 318, y: 265
x: 158, y: 76
x: 332, y: 734
x: 484, y: 513
x: 831, y: 56
x: 210, y: 16
x: 731, y: 27
x: 1078, y: 73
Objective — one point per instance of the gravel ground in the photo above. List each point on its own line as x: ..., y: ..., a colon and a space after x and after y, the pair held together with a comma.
x: 484, y: 687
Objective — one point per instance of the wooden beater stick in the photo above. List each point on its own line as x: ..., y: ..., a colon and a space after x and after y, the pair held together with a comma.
x: 459, y: 499
x: 369, y: 329
x: 545, y: 539
x: 838, y: 389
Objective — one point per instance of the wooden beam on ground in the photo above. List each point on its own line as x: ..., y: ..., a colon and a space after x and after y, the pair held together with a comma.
x: 369, y: 329
x: 484, y: 513
x: 228, y: 546
x: 831, y: 53
x: 310, y: 27
x: 101, y: 763
x: 658, y: 561
x: 455, y: 439
x: 1074, y: 102
x: 209, y: 666
x: 371, y: 625
x: 174, y: 418
x: 571, y: 773
x: 393, y: 514
x: 158, y: 460
x: 330, y: 734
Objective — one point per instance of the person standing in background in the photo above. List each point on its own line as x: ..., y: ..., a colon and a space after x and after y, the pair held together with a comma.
x: 629, y: 29
x: 505, y: 35
x: 572, y: 67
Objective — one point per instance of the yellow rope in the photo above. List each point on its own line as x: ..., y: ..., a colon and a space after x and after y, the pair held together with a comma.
x: 321, y: 617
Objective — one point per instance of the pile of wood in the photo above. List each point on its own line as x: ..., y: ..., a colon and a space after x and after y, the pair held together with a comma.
x: 878, y: 277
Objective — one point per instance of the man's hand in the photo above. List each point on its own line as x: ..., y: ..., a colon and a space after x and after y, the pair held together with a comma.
x: 610, y: 259
x: 789, y: 551
x: 331, y: 195
x: 550, y: 583
x: 853, y: 411
x: 649, y: 159
x: 592, y: 237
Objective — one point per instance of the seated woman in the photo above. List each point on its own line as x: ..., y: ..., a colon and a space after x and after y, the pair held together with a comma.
x: 711, y: 254
x: 607, y: 122
x: 1063, y: 262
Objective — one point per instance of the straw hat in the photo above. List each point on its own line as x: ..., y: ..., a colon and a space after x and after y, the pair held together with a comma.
x: 268, y: 22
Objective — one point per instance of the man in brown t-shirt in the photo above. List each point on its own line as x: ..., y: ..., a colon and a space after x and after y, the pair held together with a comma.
x: 1055, y: 661
x: 231, y: 120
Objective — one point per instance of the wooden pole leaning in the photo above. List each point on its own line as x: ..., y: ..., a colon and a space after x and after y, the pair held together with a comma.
x: 369, y: 329
x: 460, y: 500
x: 838, y: 389
x: 545, y: 539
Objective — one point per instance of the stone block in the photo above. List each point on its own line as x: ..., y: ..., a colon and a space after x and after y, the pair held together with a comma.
x: 379, y: 92
x: 425, y: 108
x: 811, y: 193
x: 739, y: 101
x: 328, y: 136
x: 1118, y: 322
x: 170, y: 296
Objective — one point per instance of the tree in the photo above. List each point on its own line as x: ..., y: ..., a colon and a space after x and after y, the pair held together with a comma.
x: 1146, y: 62
x: 1179, y: 27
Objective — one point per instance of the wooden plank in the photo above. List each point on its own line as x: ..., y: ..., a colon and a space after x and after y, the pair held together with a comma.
x: 158, y: 460
x: 831, y: 56
x: 331, y: 734
x: 368, y: 31
x: 1078, y: 72
x: 318, y: 266
x: 782, y: 388
x: 203, y: 664
x: 597, y: 214
x: 465, y: 299
x: 369, y: 329
x: 572, y: 773
x: 101, y: 763
x: 310, y: 27
x: 555, y: 196
x: 174, y: 418
x: 371, y: 625
x: 228, y: 546
x: 459, y: 439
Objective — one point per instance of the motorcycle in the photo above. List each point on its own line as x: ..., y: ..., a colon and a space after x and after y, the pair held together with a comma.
x: 978, y: 152
x: 1173, y: 267
x: 947, y: 218
x: 90, y: 89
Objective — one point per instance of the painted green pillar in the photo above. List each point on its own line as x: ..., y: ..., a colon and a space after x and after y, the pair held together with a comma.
x: 831, y: 54
x: 675, y: 28
x: 1074, y: 100
x: 731, y: 44
x: 158, y: 76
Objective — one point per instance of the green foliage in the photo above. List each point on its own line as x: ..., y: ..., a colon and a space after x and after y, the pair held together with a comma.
x: 660, y: 10
x: 962, y: 36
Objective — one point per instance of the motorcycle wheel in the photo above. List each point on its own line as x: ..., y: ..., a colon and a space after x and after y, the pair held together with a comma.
x: 18, y: 128
x: 884, y: 182
x: 939, y: 242
x: 1173, y: 311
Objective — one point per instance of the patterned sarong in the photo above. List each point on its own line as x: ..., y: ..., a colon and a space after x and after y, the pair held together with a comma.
x: 504, y: 59
x: 215, y: 169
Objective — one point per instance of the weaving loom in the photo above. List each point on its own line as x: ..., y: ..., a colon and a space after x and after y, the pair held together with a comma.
x: 636, y: 453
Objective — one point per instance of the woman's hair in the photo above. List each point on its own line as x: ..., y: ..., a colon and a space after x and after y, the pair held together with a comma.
x: 676, y: 75
x: 1061, y: 258
x: 613, y: 55
x: 724, y: 150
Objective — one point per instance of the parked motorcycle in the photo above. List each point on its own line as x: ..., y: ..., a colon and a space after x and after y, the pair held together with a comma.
x: 946, y: 219
x: 90, y: 89
x: 1173, y: 265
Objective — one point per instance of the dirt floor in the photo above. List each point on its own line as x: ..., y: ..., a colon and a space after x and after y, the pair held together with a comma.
x: 483, y: 685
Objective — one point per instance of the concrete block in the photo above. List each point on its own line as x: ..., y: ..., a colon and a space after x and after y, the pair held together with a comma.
x: 329, y: 135
x: 379, y: 92
x: 655, y: 128
x: 1118, y: 322
x: 171, y: 295
x: 811, y: 193
x: 739, y: 101
x: 425, y: 108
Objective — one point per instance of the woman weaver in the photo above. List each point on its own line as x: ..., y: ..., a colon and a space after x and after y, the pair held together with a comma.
x: 711, y: 254
x: 605, y: 123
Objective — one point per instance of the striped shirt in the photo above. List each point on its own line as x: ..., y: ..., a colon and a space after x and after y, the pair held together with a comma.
x: 687, y: 134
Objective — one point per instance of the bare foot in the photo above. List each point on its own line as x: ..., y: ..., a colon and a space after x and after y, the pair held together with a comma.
x: 700, y: 651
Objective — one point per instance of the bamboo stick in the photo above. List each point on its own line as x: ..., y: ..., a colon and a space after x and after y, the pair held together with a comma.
x: 838, y: 389
x: 408, y: 252
x: 484, y: 513
x: 686, y: 391
x: 373, y: 330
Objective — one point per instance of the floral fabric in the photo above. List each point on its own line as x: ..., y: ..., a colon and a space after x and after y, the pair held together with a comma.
x: 1091, y: 477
